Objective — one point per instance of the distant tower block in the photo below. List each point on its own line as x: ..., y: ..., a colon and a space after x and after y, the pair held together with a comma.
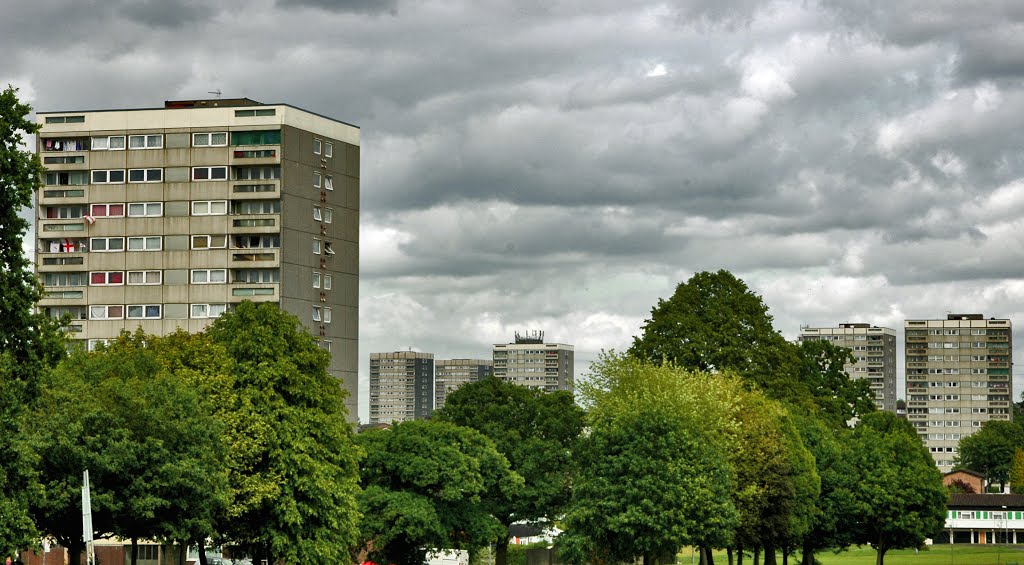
x: 530, y: 361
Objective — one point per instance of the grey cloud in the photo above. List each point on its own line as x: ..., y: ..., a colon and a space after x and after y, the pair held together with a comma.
x: 354, y: 6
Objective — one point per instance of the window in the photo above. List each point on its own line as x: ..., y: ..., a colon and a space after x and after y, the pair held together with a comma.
x: 209, y: 207
x: 146, y: 243
x: 209, y: 276
x: 106, y: 312
x: 256, y: 207
x: 64, y: 227
x: 978, y: 331
x: 328, y: 182
x: 317, y: 215
x: 104, y: 278
x: 95, y: 344
x: 254, y: 113
x: 316, y: 279
x: 143, y: 209
x: 317, y: 314
x: 327, y: 315
x: 329, y: 149
x: 143, y: 311
x: 255, y: 154
x: 252, y: 292
x: 64, y: 159
x: 261, y: 137
x: 316, y: 146
x: 214, y: 139
x: 108, y: 143
x: 328, y: 215
x: 151, y: 141
x: 64, y: 212
x: 317, y: 179
x: 67, y: 178
x: 328, y: 249
x: 106, y: 244
x: 144, y: 277
x: 64, y: 279
x: 208, y: 310
x: 65, y: 119
x: 209, y: 241
x: 327, y: 282
x: 64, y: 193
x: 108, y: 176
x: 979, y: 345
x: 316, y: 246
x: 268, y: 241
x: 106, y: 210
x: 256, y: 276
x: 209, y: 173
x: 145, y: 175
x: 267, y: 172
x: 325, y: 345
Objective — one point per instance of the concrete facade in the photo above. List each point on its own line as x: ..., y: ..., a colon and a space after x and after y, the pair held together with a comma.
x: 451, y: 374
x: 401, y: 386
x: 875, y: 351
x: 958, y: 378
x: 529, y: 361
x: 166, y: 217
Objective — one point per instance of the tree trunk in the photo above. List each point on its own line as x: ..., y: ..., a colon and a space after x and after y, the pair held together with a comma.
x: 711, y: 556
x: 501, y: 551
x: 201, y: 549
x: 182, y: 552
x: 757, y: 556
x: 807, y: 555
x: 769, y: 554
x: 728, y: 552
x: 785, y: 555
x: 135, y: 551
x: 739, y: 555
x: 880, y: 557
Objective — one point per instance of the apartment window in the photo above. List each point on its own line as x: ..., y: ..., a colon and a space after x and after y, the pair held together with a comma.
x: 328, y: 249
x: 268, y: 241
x: 252, y: 292
x: 979, y: 345
x: 316, y: 246
x: 317, y: 214
x: 316, y: 146
x: 328, y: 149
x: 255, y: 113
x: 209, y: 173
x: 255, y: 153
x: 267, y: 172
x: 64, y: 279
x: 150, y: 141
x: 65, y: 119
x: 64, y: 193
x: 328, y: 215
x: 67, y: 178
x: 106, y: 244
x: 108, y: 143
x: 64, y: 212
x: 106, y: 210
x: 327, y: 282
x: 328, y: 182
x: 317, y: 179
x: 144, y: 277
x: 256, y: 276
x: 212, y: 139
x: 144, y: 209
x: 115, y: 312
x: 209, y: 276
x: 145, y: 175
x: 316, y: 279
x: 64, y: 159
x: 317, y: 313
x: 978, y: 331
x: 146, y: 243
x: 64, y: 227
x: 325, y: 345
x: 109, y: 176
x: 256, y: 207
x: 209, y: 207
x: 952, y: 332
x: 106, y: 278
x: 209, y: 241
x: 260, y: 137
x: 200, y: 311
x: 327, y: 315
x: 144, y: 311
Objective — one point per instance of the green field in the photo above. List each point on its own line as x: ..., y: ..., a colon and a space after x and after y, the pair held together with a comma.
x: 934, y: 555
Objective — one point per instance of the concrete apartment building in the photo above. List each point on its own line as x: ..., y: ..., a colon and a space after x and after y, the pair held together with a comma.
x: 451, y: 374
x: 401, y: 386
x: 875, y: 351
x: 958, y: 372
x: 163, y: 218
x: 529, y: 361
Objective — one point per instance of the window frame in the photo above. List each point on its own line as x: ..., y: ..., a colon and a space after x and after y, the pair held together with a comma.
x: 107, y: 312
x: 145, y: 276
x: 209, y: 241
x: 107, y: 240
x: 106, y: 147
x: 106, y: 175
x: 145, y: 311
x: 317, y: 146
x: 145, y: 241
x: 146, y: 137
x: 145, y: 207
x: 209, y: 205
x: 146, y: 176
x: 206, y: 307
x: 209, y: 135
x: 317, y: 246
x: 209, y: 172
x: 106, y: 209
x: 328, y: 182
x: 328, y: 149
x: 209, y: 274
x: 107, y: 275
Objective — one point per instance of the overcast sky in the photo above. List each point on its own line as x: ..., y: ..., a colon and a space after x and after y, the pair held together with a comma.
x: 560, y: 165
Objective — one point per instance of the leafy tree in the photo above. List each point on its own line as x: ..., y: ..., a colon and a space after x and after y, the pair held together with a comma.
x: 834, y: 395
x: 1017, y: 472
x: 300, y: 499
x: 424, y: 482
x: 990, y: 450
x: 960, y: 486
x: 900, y: 499
x: 714, y: 322
x: 29, y: 342
x: 830, y: 525
x: 535, y: 431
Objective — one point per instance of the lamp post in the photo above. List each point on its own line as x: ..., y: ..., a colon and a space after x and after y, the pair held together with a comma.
x: 999, y: 550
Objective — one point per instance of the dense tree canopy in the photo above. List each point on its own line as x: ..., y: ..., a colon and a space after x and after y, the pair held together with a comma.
x: 834, y: 396
x: 424, y: 483
x: 535, y: 431
x: 990, y: 449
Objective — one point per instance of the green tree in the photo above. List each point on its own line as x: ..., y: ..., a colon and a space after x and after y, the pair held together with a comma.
x: 831, y: 527
x: 535, y: 431
x: 29, y: 342
x: 304, y: 467
x: 1017, y: 471
x: 714, y: 322
x: 834, y: 395
x: 990, y: 450
x: 899, y: 499
x: 424, y: 484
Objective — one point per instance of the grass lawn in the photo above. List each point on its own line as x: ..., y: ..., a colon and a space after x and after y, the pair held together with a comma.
x: 934, y: 555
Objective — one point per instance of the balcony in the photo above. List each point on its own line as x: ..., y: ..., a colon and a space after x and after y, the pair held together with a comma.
x: 254, y: 258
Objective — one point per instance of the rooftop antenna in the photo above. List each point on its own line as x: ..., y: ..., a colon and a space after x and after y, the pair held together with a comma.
x: 217, y: 92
